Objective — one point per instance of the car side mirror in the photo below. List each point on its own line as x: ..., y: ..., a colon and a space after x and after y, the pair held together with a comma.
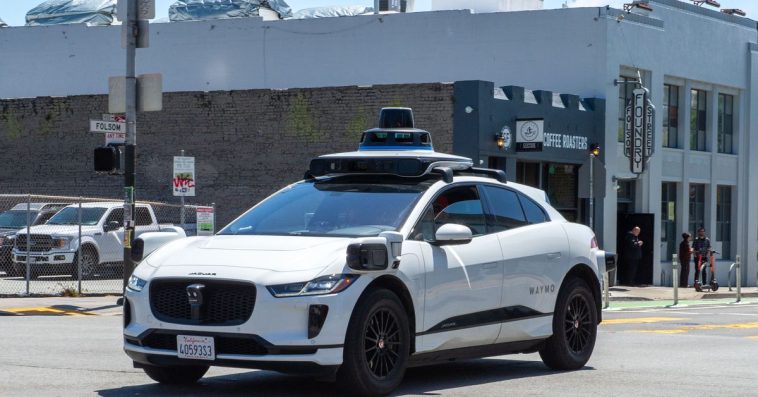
x: 453, y: 234
x: 111, y: 226
x: 375, y: 253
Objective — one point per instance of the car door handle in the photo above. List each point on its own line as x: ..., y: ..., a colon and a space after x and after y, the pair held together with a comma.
x: 554, y: 255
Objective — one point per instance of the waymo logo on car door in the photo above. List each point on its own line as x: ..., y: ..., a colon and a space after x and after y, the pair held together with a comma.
x: 542, y: 289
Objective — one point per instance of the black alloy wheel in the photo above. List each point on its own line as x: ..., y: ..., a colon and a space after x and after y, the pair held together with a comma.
x: 377, y: 345
x: 578, y: 324
x: 574, y: 328
x: 382, y: 342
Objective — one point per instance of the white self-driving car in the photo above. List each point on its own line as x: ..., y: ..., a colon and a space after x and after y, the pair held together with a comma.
x: 379, y: 260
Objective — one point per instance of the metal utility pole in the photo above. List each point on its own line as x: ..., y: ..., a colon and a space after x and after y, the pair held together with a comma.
x: 132, y: 32
x: 592, y: 193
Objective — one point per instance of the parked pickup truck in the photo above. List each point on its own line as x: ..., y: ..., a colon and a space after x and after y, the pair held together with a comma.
x: 54, y: 246
x: 15, y: 219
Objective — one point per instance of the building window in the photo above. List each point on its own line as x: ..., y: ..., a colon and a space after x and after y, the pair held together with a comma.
x: 626, y: 93
x: 670, y: 115
x: 698, y: 120
x: 726, y: 123
x: 697, y: 207
x: 668, y: 218
x: 724, y: 219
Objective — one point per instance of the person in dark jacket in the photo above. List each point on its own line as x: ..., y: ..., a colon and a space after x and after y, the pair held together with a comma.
x: 701, y: 249
x: 632, y: 255
x: 685, y: 254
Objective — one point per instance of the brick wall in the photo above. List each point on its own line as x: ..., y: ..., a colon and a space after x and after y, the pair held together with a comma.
x: 246, y: 144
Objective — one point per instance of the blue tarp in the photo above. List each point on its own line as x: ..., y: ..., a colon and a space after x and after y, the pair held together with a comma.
x: 58, y: 12
x: 327, y: 12
x: 200, y: 10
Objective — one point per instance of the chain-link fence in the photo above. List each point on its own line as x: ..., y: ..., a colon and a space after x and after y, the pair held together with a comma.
x: 53, y: 245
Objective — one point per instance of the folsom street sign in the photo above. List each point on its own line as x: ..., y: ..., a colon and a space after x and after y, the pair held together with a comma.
x: 106, y: 126
x: 638, y: 130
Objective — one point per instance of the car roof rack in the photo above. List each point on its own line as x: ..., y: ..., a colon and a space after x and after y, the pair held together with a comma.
x: 500, y: 175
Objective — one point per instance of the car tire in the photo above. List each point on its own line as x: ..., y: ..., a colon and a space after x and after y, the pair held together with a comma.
x: 377, y: 346
x: 574, y: 328
x: 89, y: 263
x: 180, y: 375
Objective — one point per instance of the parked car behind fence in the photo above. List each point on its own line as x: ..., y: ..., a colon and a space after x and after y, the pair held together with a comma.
x: 48, y: 263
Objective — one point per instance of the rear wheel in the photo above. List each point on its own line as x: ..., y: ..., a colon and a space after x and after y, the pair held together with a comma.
x: 183, y: 375
x: 574, y: 328
x: 377, y: 346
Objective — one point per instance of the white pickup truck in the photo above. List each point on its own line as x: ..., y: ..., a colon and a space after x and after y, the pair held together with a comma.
x: 54, y: 247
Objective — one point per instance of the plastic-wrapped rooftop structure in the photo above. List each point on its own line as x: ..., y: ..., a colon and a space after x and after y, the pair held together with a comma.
x: 3, y: 24
x: 58, y: 12
x: 200, y: 10
x: 327, y: 12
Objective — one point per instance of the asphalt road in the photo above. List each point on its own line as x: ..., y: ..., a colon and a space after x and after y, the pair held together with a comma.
x: 699, y: 350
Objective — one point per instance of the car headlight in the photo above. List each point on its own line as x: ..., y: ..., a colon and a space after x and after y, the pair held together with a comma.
x: 61, y: 242
x: 321, y: 286
x: 136, y: 284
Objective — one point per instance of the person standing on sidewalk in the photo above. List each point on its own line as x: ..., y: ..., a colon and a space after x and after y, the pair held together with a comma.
x: 701, y: 248
x: 632, y: 255
x: 685, y: 254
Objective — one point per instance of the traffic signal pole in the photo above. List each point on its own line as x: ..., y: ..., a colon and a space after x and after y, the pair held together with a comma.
x: 131, y: 135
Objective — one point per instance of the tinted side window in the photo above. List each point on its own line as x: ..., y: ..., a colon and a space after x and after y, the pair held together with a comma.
x: 116, y: 215
x: 506, y: 208
x: 143, y: 217
x: 534, y: 213
x: 459, y: 205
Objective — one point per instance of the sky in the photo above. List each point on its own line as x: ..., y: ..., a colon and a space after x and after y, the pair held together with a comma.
x: 14, y: 11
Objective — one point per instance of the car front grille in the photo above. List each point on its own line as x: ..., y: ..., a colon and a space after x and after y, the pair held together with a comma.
x: 37, y: 243
x: 225, y: 303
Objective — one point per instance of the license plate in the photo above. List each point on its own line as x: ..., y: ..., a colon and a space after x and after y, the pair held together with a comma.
x: 195, y: 347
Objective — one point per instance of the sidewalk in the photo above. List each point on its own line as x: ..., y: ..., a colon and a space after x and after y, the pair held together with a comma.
x: 653, y: 293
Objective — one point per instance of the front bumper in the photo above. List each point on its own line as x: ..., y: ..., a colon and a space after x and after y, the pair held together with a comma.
x: 44, y: 258
x: 279, y: 326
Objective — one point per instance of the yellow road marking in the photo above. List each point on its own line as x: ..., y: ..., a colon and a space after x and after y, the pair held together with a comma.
x: 45, y: 311
x: 704, y: 327
x: 641, y: 320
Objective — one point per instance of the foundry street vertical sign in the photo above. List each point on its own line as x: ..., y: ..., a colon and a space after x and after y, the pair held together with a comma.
x: 638, y: 130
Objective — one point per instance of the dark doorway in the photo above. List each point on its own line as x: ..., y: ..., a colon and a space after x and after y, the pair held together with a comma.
x: 646, y: 223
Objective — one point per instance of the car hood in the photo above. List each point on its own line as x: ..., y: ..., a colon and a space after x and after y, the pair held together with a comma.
x: 269, y: 257
x: 61, y: 230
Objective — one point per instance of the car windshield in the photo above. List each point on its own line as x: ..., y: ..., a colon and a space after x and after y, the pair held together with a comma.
x: 15, y: 219
x: 70, y: 216
x: 330, y: 209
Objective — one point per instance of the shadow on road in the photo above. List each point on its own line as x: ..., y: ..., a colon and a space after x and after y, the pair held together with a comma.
x: 418, y: 381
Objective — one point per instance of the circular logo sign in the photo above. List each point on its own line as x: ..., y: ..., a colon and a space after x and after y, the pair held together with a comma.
x: 529, y: 131
x: 506, y: 134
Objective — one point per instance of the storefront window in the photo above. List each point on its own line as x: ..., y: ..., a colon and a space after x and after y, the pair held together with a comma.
x: 726, y: 123
x: 697, y: 207
x: 698, y: 120
x: 670, y: 115
x: 560, y: 182
x: 724, y: 219
x: 668, y: 218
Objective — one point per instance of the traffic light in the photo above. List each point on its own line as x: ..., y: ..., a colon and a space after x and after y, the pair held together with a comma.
x: 107, y: 159
x: 595, y: 150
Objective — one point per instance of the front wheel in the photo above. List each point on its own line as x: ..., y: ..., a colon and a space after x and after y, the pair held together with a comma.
x: 377, y: 346
x: 88, y: 263
x: 574, y: 328
x: 183, y: 375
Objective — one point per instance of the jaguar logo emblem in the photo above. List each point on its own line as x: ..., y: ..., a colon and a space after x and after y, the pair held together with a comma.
x: 196, y: 298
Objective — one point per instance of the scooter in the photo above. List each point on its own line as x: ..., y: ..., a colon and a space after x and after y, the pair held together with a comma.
x: 714, y: 285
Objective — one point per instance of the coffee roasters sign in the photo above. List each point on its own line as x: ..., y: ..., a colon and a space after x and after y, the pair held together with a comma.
x: 530, y: 135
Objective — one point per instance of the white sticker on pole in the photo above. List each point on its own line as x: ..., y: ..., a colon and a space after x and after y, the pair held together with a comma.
x: 183, y: 183
x: 204, y: 221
